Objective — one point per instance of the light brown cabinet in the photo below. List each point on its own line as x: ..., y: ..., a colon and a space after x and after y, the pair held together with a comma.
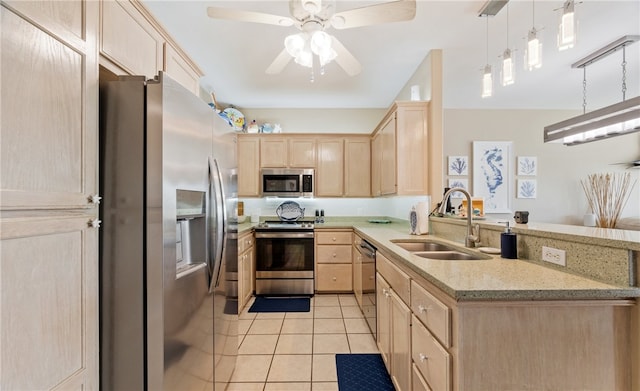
x: 48, y: 180
x: 246, y: 269
x: 248, y: 166
x: 330, y: 168
x: 132, y: 42
x: 357, y: 167
x: 334, y: 269
x: 341, y: 162
x: 492, y: 345
x: 394, y: 321
x: 401, y: 153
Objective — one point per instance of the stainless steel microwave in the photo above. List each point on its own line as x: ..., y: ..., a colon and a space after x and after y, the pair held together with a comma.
x: 286, y: 182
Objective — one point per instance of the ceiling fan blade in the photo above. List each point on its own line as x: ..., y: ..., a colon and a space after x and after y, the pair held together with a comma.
x: 394, y: 11
x: 248, y: 16
x: 345, y: 59
x: 279, y: 63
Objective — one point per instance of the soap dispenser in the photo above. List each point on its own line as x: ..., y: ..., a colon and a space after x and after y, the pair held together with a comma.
x: 508, y: 244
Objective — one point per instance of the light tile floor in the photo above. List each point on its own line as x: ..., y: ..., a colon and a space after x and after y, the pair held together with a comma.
x: 296, y: 350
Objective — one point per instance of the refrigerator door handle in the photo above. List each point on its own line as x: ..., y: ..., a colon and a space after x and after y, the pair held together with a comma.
x: 219, y: 214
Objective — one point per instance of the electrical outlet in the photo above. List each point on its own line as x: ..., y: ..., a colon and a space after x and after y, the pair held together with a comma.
x: 553, y: 255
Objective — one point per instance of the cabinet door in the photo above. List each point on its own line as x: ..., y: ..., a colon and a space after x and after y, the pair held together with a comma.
x: 388, y: 161
x: 245, y: 286
x: 330, y: 168
x: 400, y: 343
x: 49, y: 307
x: 180, y: 70
x: 273, y: 152
x: 49, y: 103
x: 129, y: 40
x: 376, y: 165
x: 248, y: 166
x: 357, y: 167
x: 334, y: 277
x: 383, y: 319
x: 302, y: 152
x: 413, y: 161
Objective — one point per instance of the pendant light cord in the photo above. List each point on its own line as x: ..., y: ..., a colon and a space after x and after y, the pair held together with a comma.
x: 487, y: 39
x: 584, y: 90
x: 624, y: 72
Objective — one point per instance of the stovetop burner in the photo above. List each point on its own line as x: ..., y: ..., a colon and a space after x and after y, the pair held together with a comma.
x: 293, y: 225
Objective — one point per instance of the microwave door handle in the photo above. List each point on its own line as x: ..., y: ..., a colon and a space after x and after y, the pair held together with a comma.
x: 218, y: 218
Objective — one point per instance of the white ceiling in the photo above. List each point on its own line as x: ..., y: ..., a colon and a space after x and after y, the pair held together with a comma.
x: 234, y: 55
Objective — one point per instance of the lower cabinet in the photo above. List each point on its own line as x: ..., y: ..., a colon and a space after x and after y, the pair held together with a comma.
x: 246, y: 269
x: 334, y: 266
x: 438, y: 343
x: 394, y: 325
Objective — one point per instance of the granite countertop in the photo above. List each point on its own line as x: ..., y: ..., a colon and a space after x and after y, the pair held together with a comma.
x: 494, y: 278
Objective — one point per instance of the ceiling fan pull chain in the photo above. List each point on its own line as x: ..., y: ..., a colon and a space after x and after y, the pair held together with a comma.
x: 584, y: 90
x: 624, y: 72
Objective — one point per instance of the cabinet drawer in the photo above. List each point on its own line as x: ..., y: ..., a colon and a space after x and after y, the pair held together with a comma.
x: 430, y: 357
x: 399, y: 280
x: 334, y: 278
x: 432, y: 312
x: 333, y: 254
x: 419, y: 384
x: 343, y: 237
x: 245, y: 242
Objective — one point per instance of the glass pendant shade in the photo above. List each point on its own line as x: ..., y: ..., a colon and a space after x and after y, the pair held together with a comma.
x: 305, y: 58
x: 294, y: 44
x: 508, y: 69
x: 487, y: 82
x: 320, y: 42
x: 533, y: 55
x: 567, y: 28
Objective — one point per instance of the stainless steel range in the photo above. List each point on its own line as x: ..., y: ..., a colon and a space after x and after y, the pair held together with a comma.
x: 284, y: 258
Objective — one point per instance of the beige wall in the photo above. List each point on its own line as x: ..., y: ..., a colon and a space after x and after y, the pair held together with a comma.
x: 560, y: 197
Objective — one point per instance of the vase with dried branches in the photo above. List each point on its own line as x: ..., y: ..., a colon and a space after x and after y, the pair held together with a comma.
x: 607, y: 195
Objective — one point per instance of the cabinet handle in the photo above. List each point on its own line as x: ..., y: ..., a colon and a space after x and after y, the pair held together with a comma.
x: 422, y: 357
x: 334, y: 239
x: 95, y: 223
x: 335, y: 255
x: 335, y: 279
x: 94, y: 199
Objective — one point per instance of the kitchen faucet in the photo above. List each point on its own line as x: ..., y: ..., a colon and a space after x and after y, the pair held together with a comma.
x: 473, y: 232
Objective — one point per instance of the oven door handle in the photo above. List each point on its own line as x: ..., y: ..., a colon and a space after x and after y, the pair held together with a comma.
x: 283, y: 235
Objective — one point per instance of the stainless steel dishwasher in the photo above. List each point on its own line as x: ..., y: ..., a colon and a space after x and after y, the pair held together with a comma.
x: 368, y: 276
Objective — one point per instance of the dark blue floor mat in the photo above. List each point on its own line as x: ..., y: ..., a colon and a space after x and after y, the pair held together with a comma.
x: 358, y: 372
x: 280, y: 304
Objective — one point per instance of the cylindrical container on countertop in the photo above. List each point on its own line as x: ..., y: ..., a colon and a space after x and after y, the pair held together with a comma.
x: 508, y: 244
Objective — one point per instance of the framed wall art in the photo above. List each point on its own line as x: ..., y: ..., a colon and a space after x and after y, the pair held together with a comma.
x: 527, y: 165
x: 458, y: 165
x: 527, y: 188
x: 492, y: 175
x: 458, y: 182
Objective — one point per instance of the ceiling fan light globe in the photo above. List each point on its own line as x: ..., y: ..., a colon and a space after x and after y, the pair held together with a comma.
x: 327, y: 57
x: 320, y: 42
x: 294, y: 44
x: 305, y: 59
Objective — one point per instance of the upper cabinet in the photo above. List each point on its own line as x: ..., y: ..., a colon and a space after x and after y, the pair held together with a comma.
x: 287, y: 151
x: 342, y: 162
x: 132, y: 42
x: 402, y: 156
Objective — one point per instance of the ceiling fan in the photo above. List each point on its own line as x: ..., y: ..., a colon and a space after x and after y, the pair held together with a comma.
x: 312, y: 17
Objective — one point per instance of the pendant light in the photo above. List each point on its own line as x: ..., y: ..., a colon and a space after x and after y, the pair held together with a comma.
x: 487, y: 78
x: 610, y: 121
x: 508, y: 69
x: 533, y: 54
x: 567, y: 28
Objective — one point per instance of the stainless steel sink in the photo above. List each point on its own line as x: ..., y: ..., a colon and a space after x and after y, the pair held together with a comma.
x: 449, y: 255
x: 422, y: 246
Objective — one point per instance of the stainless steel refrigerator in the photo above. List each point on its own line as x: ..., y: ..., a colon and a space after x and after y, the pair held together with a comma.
x: 168, y: 251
